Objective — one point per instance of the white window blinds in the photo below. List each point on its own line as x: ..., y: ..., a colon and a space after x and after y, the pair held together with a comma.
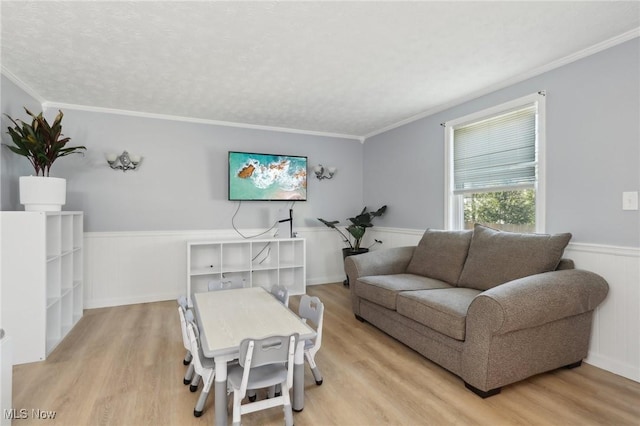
x: 496, y: 154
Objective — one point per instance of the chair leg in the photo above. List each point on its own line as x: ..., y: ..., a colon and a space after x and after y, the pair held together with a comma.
x: 194, y: 383
x: 187, y: 358
x: 314, y: 368
x: 288, y: 415
x: 288, y: 412
x: 203, y: 396
x: 188, y: 376
x: 274, y: 391
x: 317, y: 375
x: 197, y: 412
x: 237, y: 401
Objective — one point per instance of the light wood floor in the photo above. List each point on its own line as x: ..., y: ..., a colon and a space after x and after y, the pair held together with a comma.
x: 123, y: 366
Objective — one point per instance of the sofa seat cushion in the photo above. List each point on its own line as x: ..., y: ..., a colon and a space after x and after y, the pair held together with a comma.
x: 440, y: 255
x: 384, y: 289
x: 444, y: 310
x: 496, y: 257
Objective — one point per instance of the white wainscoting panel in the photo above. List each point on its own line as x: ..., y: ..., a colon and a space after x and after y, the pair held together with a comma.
x: 324, y: 255
x: 136, y: 267
x: 122, y: 268
x: 394, y: 237
x: 615, y: 339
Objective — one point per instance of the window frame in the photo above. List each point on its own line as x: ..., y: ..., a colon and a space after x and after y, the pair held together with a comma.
x: 454, y: 213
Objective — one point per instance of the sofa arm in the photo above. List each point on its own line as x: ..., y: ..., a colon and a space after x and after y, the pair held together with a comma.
x: 378, y: 262
x: 537, y: 299
x: 529, y: 326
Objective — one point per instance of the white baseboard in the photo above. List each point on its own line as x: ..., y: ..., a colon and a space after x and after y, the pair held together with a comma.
x: 614, y: 366
x: 122, y: 301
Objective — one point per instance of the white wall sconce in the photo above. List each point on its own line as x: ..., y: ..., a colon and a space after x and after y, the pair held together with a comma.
x: 123, y: 161
x: 324, y: 172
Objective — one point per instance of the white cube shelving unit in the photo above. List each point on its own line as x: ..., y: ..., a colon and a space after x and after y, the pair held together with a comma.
x: 6, y: 378
x: 255, y: 263
x: 41, y: 267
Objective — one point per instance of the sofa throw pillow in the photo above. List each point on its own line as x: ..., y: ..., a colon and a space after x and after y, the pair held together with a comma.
x: 496, y: 257
x: 440, y: 255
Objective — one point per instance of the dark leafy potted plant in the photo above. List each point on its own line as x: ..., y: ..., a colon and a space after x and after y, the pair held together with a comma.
x: 356, y: 229
x: 42, y: 144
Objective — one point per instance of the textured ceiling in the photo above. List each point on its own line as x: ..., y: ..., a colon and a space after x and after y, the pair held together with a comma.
x: 344, y: 68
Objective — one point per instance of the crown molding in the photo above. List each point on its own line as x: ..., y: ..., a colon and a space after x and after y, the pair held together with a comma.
x: 195, y: 120
x: 51, y: 104
x: 21, y: 84
x: 614, y: 41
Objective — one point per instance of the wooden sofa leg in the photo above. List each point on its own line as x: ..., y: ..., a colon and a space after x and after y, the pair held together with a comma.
x: 481, y: 393
x: 359, y: 318
x: 574, y: 365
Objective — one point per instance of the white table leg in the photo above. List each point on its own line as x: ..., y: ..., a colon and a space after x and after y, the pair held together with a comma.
x: 298, y: 377
x: 221, y: 392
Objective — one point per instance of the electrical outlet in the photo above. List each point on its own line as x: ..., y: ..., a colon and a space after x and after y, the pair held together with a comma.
x: 630, y: 200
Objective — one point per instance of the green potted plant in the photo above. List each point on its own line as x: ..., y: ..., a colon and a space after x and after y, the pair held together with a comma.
x: 42, y: 144
x: 356, y: 230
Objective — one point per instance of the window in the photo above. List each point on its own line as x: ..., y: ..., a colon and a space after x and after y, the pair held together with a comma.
x: 494, y: 172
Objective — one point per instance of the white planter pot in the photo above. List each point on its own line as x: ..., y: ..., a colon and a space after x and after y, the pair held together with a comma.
x: 42, y: 194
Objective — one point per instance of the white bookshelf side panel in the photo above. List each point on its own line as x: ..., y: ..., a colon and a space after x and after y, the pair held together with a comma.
x: 38, y: 291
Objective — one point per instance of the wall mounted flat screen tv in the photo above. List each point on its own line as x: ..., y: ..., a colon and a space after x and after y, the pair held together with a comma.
x: 267, y: 177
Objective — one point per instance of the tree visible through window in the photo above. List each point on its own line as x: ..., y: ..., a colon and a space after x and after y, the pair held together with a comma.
x: 506, y: 210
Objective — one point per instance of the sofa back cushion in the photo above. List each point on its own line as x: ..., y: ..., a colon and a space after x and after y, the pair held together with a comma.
x: 496, y: 257
x: 440, y: 255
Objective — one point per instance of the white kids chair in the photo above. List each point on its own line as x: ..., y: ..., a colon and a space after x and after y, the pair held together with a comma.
x: 281, y: 293
x: 204, y: 367
x: 263, y: 363
x: 311, y: 310
x: 182, y: 308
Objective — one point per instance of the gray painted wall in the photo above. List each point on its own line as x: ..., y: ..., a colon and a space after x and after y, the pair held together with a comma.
x: 181, y: 183
x: 593, y: 152
x: 11, y: 165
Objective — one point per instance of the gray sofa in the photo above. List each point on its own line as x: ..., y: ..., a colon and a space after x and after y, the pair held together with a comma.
x: 491, y: 307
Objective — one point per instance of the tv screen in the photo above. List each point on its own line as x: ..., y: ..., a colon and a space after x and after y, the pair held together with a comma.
x: 267, y: 177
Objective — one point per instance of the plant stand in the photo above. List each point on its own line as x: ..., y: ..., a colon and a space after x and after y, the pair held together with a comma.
x: 346, y: 252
